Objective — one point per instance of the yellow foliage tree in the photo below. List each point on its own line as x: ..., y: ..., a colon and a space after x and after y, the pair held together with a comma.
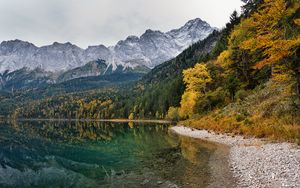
x: 188, y: 104
x: 131, y: 116
x: 224, y: 59
x: 269, y: 32
x: 196, y: 80
x: 173, y: 114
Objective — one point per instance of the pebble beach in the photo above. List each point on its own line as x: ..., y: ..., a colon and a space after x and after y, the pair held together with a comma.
x: 255, y: 162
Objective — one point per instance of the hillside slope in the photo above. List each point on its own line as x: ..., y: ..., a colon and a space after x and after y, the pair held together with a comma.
x: 253, y: 86
x: 149, y: 97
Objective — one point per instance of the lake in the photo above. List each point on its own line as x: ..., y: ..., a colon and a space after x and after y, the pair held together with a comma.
x: 107, y: 154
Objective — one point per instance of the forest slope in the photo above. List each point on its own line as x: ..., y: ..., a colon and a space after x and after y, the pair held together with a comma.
x: 252, y: 87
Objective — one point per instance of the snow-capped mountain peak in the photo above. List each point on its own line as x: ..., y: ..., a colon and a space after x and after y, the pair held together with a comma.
x: 191, y: 32
x: 150, y: 49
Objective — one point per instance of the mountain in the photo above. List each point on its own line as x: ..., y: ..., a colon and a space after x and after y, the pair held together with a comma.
x: 26, y: 78
x: 99, y: 67
x: 156, y: 47
x: 156, y: 90
x: 188, y: 58
x: 94, y: 68
x: 150, y: 49
x: 152, y: 95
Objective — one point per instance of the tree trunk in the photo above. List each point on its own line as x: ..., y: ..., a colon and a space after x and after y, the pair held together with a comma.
x: 232, y: 96
x: 298, y: 83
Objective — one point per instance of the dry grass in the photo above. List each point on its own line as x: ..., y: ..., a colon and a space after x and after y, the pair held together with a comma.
x: 268, y: 113
x: 260, y: 128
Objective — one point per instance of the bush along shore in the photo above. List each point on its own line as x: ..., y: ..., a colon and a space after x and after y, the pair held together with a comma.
x: 255, y: 162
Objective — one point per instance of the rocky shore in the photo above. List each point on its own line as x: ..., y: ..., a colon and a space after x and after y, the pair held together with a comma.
x: 255, y: 162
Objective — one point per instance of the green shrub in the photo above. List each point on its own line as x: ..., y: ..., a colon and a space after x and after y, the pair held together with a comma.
x: 241, y: 95
x: 173, y: 114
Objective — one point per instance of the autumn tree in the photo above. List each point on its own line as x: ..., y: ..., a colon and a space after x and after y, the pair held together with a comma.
x: 131, y: 116
x: 196, y: 80
x: 173, y: 114
x: 269, y: 37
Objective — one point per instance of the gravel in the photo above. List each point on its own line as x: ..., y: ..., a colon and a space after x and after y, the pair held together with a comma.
x: 256, y: 162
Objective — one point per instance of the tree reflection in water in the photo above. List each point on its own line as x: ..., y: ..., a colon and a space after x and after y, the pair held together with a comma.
x: 100, y: 153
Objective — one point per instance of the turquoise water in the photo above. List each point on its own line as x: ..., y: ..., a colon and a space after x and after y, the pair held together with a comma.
x: 104, y: 154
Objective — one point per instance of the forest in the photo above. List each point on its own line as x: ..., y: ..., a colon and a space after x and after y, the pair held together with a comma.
x: 243, y: 79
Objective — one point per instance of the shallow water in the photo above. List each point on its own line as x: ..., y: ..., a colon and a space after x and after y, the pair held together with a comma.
x: 105, y: 154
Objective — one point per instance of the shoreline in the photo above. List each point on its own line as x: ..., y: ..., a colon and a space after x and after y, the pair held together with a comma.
x: 100, y: 120
x: 255, y: 162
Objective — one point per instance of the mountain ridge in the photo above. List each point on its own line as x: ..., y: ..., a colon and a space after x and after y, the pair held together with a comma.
x: 152, y: 47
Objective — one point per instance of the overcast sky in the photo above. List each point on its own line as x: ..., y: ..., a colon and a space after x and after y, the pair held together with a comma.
x: 91, y: 22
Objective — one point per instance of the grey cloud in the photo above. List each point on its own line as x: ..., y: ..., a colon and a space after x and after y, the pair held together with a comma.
x: 90, y: 22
